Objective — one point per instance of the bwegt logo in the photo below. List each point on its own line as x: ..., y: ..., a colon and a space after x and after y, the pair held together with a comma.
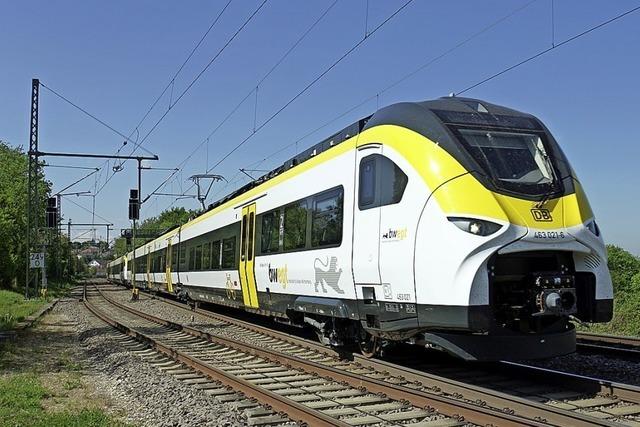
x: 541, y: 215
x: 279, y: 275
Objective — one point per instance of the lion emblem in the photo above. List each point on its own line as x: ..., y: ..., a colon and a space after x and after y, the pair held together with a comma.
x: 231, y: 292
x: 327, y: 274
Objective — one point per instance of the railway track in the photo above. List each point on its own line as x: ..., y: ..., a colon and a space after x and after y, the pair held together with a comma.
x: 318, y: 392
x: 620, y: 346
x: 561, y: 400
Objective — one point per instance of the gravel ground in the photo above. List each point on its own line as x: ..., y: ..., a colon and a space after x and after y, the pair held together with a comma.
x: 147, y: 396
x: 610, y: 369
x: 594, y: 365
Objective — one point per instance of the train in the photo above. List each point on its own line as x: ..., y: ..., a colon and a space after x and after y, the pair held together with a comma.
x: 453, y: 224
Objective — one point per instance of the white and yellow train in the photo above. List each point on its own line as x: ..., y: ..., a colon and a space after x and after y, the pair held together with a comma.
x: 454, y: 224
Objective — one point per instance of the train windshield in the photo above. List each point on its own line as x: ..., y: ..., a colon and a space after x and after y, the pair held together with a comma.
x: 514, y: 160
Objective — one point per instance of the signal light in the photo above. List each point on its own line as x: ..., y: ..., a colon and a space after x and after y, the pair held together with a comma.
x: 51, y: 213
x: 134, y: 204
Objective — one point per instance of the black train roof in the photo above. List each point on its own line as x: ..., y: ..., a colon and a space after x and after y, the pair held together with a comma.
x: 427, y: 118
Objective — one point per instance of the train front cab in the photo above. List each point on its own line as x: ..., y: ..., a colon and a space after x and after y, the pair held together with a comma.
x: 512, y: 242
x: 506, y: 247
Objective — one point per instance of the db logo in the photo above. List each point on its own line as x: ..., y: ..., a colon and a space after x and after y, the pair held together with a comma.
x: 541, y: 215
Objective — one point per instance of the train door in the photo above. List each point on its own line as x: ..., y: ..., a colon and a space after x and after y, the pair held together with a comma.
x: 168, y: 268
x: 149, y: 269
x: 247, y: 255
x: 366, y: 219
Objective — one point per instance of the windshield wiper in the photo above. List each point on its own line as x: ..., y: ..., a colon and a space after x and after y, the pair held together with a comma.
x: 554, y: 185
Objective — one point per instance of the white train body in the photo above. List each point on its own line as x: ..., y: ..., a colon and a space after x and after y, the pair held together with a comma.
x: 392, y: 229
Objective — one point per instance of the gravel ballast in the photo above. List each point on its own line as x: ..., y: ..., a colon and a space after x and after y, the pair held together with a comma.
x: 592, y: 365
x: 146, y: 395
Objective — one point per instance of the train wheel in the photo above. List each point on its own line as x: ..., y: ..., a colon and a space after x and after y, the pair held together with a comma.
x: 369, y: 345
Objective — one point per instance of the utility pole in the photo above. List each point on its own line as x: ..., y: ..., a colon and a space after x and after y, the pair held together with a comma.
x: 33, y: 203
x: 33, y: 208
x: 69, y: 250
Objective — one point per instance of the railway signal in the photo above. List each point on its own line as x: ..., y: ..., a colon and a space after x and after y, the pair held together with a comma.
x: 52, y: 213
x: 134, y: 204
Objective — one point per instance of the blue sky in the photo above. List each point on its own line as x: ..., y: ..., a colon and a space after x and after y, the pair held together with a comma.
x: 114, y: 58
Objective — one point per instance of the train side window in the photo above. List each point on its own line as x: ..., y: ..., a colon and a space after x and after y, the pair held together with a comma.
x: 174, y: 258
x: 192, y: 258
x: 216, y: 255
x: 252, y: 221
x: 295, y: 225
x: 393, y: 181
x: 243, y: 238
x: 198, y: 265
x: 326, y: 223
x: 382, y: 182
x: 206, y: 256
x: 367, y: 191
x: 270, y: 233
x: 183, y: 256
x: 229, y: 252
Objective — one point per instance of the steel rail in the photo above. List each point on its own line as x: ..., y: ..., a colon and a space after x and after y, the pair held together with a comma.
x: 623, y: 346
x: 483, y: 396
x: 294, y: 410
x: 478, y: 413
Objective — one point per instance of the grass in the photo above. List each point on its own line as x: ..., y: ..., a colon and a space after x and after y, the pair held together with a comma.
x: 21, y: 404
x: 14, y: 308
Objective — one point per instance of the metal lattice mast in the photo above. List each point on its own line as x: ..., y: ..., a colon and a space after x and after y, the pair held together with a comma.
x: 32, y: 184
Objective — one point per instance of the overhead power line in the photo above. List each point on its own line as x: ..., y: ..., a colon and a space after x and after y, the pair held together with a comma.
x: 169, y: 85
x: 184, y: 63
x: 402, y: 79
x: 88, y: 210
x: 87, y: 113
x: 190, y: 85
x: 254, y: 89
x: 197, y: 77
x: 309, y: 85
x: 545, y: 51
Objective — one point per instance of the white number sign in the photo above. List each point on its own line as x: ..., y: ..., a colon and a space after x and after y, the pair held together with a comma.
x: 36, y: 260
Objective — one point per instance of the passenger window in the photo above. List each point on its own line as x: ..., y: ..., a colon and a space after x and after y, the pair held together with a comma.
x: 270, y: 234
x: 174, y: 258
x: 393, y: 181
x: 199, y: 257
x: 206, y: 256
x: 192, y: 259
x: 216, y: 254
x: 183, y: 256
x: 229, y: 252
x: 385, y: 189
x: 367, y: 193
x: 295, y: 225
x: 326, y: 221
x: 252, y: 221
x: 243, y: 238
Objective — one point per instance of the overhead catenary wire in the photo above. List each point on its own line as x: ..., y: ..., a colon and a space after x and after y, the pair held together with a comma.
x: 87, y: 113
x: 549, y: 49
x: 89, y: 210
x: 69, y: 167
x: 402, y: 79
x: 309, y: 85
x: 313, y: 82
x: 184, y: 63
x: 197, y: 77
x: 254, y: 89
x: 170, y: 84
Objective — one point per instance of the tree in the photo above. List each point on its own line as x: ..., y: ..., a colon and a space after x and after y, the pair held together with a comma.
x: 13, y: 213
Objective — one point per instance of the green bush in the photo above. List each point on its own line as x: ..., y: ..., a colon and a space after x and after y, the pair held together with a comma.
x: 625, y: 274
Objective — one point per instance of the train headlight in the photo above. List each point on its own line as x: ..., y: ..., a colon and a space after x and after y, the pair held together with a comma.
x: 593, y: 227
x: 478, y: 227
